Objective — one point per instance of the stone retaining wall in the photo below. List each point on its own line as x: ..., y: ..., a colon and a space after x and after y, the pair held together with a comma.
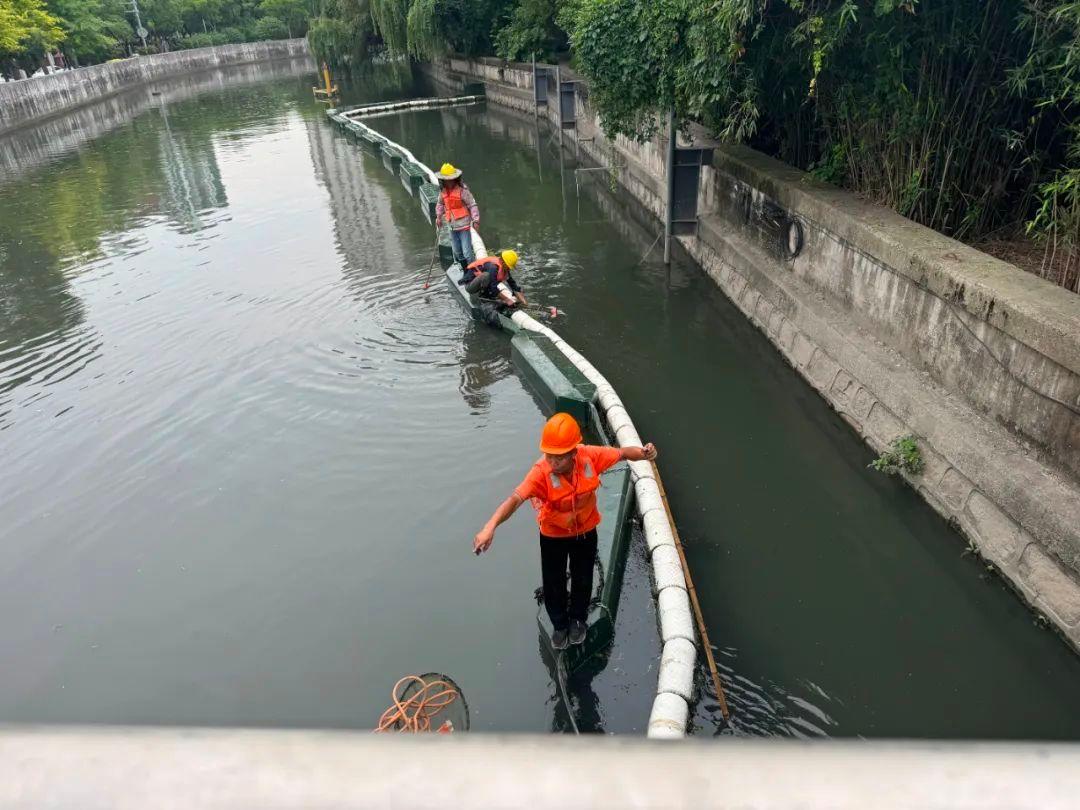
x: 902, y: 330
x: 31, y: 100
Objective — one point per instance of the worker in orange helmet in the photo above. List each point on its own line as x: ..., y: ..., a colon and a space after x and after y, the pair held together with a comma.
x: 562, y: 487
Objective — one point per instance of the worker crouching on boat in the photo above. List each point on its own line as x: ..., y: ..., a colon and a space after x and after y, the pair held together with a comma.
x: 562, y: 487
x: 457, y: 208
x: 490, y: 279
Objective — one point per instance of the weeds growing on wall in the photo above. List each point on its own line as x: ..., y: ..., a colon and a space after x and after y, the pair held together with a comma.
x: 902, y: 455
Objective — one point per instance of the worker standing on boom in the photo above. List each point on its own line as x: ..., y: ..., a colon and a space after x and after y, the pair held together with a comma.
x: 457, y: 208
x: 562, y: 487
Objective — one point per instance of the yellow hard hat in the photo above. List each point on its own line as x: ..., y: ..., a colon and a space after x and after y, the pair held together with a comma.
x: 509, y: 258
x: 448, y: 172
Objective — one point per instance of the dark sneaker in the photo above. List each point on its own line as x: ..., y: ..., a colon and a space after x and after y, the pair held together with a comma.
x: 577, y: 632
x: 559, y: 640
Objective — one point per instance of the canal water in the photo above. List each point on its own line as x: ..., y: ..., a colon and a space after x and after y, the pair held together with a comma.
x: 244, y: 453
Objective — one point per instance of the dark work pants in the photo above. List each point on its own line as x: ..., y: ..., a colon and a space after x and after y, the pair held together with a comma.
x: 555, y: 552
x: 478, y: 284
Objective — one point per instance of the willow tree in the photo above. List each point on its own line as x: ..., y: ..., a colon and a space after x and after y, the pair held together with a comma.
x: 390, y: 18
x: 342, y: 31
x: 647, y: 57
x: 424, y: 37
x: 424, y: 29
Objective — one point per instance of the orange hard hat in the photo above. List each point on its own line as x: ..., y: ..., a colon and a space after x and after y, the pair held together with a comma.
x: 561, y: 435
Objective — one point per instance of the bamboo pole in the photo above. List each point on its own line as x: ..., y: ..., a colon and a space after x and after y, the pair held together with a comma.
x: 702, y: 630
x: 669, y: 210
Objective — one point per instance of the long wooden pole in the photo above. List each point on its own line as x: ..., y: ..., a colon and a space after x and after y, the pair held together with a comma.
x: 434, y: 255
x: 669, y: 208
x: 702, y: 631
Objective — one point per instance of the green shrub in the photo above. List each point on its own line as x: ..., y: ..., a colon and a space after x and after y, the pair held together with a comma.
x: 530, y: 30
x: 194, y: 41
x: 340, y: 41
x: 269, y: 28
x: 232, y: 35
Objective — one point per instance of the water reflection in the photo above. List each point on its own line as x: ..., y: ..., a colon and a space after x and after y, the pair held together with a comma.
x: 60, y: 225
x: 482, y: 366
x: 367, y: 203
x: 385, y: 81
x: 40, y: 320
x: 192, y: 177
x: 27, y: 148
x: 363, y: 205
x: 585, y: 703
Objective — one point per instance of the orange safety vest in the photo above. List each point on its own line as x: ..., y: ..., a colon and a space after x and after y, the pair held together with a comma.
x: 569, y: 508
x: 456, y: 213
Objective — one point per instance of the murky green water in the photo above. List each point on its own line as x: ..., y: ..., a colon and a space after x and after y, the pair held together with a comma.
x: 244, y: 454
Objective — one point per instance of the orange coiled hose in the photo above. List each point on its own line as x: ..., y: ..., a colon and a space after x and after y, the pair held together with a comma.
x: 414, y: 714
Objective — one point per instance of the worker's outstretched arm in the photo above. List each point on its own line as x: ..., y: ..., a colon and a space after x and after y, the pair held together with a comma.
x: 486, y: 535
x: 646, y: 453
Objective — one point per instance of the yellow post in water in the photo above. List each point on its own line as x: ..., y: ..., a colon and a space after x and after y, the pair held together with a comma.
x: 328, y: 91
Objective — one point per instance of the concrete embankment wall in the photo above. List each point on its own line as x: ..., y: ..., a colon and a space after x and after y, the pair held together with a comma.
x: 902, y: 330
x: 24, y: 102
